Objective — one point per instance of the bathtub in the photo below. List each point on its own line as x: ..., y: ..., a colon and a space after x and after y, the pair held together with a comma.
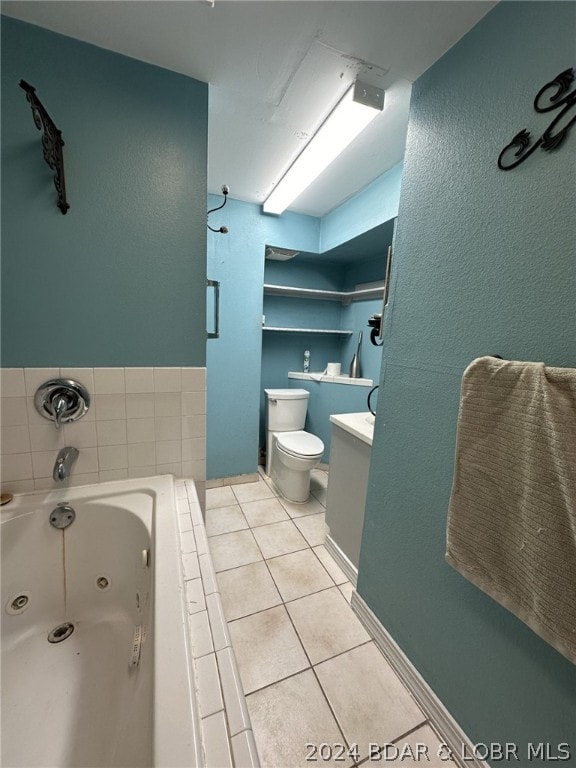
x: 114, y: 684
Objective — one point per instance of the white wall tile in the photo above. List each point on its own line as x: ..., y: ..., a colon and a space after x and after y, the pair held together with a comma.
x: 43, y: 463
x: 80, y: 434
x: 169, y: 428
x: 142, y: 454
x: 14, y: 440
x: 109, y: 381
x: 113, y: 474
x: 17, y: 466
x: 139, y: 380
x: 87, y: 461
x: 45, y: 437
x: 140, y: 406
x: 167, y: 380
x: 193, y: 379
x: 193, y: 426
x: 141, y: 430
x: 109, y: 407
x: 12, y: 382
x: 111, y: 432
x: 113, y: 456
x: 86, y: 479
x: 13, y: 411
x: 168, y: 451
x: 138, y: 434
x: 167, y: 404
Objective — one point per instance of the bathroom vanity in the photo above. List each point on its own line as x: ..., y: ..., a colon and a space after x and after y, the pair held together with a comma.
x: 349, y: 467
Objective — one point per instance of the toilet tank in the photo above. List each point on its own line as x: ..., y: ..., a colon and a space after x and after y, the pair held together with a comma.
x: 286, y: 409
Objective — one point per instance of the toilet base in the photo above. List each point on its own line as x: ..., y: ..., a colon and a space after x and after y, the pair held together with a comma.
x: 293, y: 485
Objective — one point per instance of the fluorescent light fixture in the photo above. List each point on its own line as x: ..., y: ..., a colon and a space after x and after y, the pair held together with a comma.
x: 356, y: 109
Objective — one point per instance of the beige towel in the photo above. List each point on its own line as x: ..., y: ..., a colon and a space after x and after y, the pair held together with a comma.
x: 512, y: 518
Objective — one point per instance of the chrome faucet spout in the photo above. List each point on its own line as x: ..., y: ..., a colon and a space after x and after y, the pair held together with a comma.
x: 64, y: 461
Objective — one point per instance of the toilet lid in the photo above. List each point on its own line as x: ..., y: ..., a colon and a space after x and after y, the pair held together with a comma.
x: 300, y: 443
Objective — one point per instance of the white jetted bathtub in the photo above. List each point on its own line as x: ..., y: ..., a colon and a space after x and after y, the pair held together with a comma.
x: 96, y: 668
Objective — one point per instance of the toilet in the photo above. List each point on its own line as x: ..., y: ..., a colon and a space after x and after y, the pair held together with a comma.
x: 291, y: 453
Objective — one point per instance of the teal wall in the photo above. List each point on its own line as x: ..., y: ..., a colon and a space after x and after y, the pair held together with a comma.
x: 234, y: 360
x: 120, y: 279
x: 484, y: 263
x: 244, y: 360
x: 376, y: 203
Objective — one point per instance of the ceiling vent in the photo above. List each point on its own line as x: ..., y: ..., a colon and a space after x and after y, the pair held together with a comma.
x: 279, y: 254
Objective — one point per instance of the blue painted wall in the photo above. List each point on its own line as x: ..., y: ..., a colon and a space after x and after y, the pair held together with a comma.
x: 234, y: 360
x: 484, y: 263
x: 376, y: 203
x: 244, y: 360
x: 120, y: 279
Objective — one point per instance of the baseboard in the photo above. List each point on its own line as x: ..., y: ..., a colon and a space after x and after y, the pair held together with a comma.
x: 350, y: 570
x: 443, y: 722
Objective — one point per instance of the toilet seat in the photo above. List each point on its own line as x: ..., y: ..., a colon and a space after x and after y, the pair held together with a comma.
x: 300, y: 444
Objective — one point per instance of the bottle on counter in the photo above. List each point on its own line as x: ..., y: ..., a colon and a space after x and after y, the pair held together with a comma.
x: 306, y: 361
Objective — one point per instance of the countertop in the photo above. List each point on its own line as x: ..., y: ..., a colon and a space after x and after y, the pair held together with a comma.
x: 361, y: 425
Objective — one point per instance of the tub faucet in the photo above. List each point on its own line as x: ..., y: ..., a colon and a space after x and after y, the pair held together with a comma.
x: 63, y: 466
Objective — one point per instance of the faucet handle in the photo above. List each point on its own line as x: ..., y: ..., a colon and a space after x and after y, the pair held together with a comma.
x: 62, y: 400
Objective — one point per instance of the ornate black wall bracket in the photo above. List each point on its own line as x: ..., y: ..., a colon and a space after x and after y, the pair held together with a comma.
x: 52, y: 142
x: 554, y: 135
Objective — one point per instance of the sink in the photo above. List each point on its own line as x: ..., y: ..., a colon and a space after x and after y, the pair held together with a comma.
x: 370, y: 419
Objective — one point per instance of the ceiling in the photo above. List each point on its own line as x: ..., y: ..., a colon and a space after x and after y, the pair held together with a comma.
x: 276, y: 69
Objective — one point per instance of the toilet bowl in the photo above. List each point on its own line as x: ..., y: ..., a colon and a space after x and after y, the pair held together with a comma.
x: 291, y: 452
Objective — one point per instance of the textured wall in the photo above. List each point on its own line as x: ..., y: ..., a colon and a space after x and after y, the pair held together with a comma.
x: 119, y: 280
x: 484, y: 264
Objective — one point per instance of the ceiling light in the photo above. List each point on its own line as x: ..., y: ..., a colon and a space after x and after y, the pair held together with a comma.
x: 359, y: 106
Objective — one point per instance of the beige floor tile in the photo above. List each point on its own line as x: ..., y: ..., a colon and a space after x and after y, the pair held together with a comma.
x: 422, y: 747
x: 247, y: 590
x: 346, y: 590
x: 289, y: 715
x: 318, y: 478
x: 231, y: 550
x: 225, y: 520
x: 369, y: 701
x: 267, y: 648
x: 313, y: 528
x: 320, y: 494
x: 310, y: 507
x: 264, y: 511
x: 252, y: 491
x: 279, y: 539
x: 330, y: 564
x: 221, y: 496
x: 326, y: 624
x: 299, y: 574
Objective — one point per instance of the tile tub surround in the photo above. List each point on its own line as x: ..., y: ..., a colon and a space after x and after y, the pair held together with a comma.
x: 141, y: 422
x: 310, y: 671
x: 225, y: 727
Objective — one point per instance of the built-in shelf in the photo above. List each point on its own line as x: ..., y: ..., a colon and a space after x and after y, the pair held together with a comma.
x: 334, y: 331
x: 316, y: 293
x: 325, y: 379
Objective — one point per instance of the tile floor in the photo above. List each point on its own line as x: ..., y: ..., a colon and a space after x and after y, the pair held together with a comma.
x: 314, y: 681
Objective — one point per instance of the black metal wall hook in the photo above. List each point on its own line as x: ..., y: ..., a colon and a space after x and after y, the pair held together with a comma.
x: 223, y: 230
x: 52, y: 143
x: 552, y: 96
